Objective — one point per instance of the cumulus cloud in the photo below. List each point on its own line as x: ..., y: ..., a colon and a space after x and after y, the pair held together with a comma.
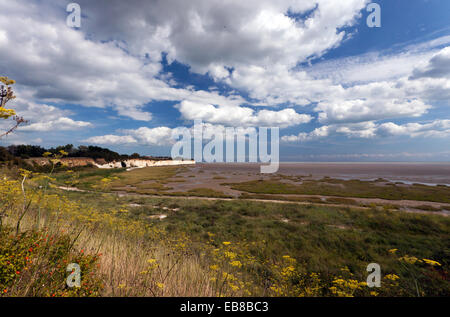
x: 437, y: 128
x: 163, y: 136
x: 255, y: 47
x: 358, y: 110
x: 370, y: 129
x: 118, y: 64
x: 153, y: 136
x: 143, y: 135
x: 437, y: 67
x: 60, y: 124
x: 313, y: 135
x: 369, y: 87
x: 44, y: 118
x: 241, y: 116
x: 209, y: 35
x: 58, y: 64
x: 377, y: 98
x: 111, y: 139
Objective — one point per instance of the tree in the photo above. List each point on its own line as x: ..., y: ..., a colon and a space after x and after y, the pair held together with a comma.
x: 7, y: 94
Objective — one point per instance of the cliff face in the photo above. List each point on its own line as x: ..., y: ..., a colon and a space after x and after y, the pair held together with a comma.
x: 139, y: 163
x: 131, y: 163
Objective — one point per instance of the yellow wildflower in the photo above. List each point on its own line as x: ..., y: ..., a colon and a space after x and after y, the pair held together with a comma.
x: 339, y: 281
x: 392, y: 277
x: 409, y: 259
x: 234, y: 287
x: 230, y: 255
x: 431, y: 262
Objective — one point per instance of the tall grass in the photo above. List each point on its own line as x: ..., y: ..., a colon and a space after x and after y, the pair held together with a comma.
x: 214, y: 248
x: 124, y: 248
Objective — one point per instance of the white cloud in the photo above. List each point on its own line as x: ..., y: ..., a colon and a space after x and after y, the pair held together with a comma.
x: 254, y: 46
x: 437, y: 128
x: 367, y: 68
x: 60, y: 124
x: 144, y: 136
x: 315, y: 134
x: 58, y: 64
x: 211, y: 34
x: 43, y: 117
x: 241, y: 116
x: 164, y: 136
x: 154, y: 136
x: 358, y: 110
x: 111, y: 139
x: 370, y: 129
x: 377, y: 66
x: 437, y: 67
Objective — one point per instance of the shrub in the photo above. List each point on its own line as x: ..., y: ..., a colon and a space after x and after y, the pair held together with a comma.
x: 34, y: 263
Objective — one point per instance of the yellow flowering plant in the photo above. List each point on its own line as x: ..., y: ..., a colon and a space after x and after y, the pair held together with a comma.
x: 6, y: 95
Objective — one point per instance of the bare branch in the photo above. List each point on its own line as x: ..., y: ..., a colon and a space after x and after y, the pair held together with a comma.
x: 19, y: 121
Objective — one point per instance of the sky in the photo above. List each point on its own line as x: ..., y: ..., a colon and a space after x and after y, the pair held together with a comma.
x: 135, y: 71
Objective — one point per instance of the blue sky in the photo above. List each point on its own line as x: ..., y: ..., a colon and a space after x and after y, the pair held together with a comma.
x: 132, y: 73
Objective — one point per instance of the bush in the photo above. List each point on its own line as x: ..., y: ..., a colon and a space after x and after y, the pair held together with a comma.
x: 34, y: 263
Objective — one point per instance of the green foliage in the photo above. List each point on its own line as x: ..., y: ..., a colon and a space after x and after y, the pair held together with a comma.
x: 322, y: 240
x: 348, y: 188
x: 26, y: 151
x: 95, y: 152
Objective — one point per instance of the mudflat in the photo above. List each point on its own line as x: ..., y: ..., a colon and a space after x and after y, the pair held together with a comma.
x: 427, y: 173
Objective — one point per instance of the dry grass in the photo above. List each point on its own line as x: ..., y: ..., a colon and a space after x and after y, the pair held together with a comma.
x: 125, y: 259
x: 135, y: 260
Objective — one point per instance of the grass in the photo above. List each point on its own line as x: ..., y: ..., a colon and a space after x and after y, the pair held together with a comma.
x: 430, y: 208
x: 316, y: 200
x: 348, y: 188
x: 159, y: 174
x: 202, y: 192
x: 225, y: 247
x: 133, y: 258
x: 313, y: 235
x: 219, y: 177
x: 87, y: 178
x: 90, y: 178
x: 152, y: 188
